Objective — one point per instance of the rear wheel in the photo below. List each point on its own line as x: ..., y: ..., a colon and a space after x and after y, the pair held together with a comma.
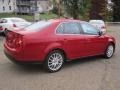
x: 109, y: 51
x: 54, y: 61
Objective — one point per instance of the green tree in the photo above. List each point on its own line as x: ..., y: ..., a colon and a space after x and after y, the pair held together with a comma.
x: 116, y: 10
x: 55, y: 6
x: 98, y: 9
x: 75, y: 8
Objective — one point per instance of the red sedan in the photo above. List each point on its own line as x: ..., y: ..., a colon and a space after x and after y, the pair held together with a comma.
x: 55, y: 41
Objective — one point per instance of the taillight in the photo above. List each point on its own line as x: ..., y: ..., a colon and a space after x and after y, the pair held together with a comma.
x: 18, y: 42
x: 14, y: 25
x: 14, y: 40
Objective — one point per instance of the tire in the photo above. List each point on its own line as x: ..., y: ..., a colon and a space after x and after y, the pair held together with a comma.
x: 109, y: 51
x: 54, y: 61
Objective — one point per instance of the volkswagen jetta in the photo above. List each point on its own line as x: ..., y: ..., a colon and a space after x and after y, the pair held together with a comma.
x: 53, y: 42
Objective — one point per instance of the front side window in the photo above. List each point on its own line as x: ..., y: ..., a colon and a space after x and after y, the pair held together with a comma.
x: 89, y: 29
x: 71, y: 28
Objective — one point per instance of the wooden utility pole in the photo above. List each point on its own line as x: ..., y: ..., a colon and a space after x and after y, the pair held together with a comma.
x: 59, y: 10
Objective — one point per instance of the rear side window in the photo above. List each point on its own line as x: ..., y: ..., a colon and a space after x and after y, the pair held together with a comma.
x: 71, y: 28
x: 68, y: 28
x: 38, y: 26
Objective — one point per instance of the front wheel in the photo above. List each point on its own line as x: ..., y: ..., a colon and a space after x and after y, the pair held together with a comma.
x: 109, y: 51
x: 54, y: 61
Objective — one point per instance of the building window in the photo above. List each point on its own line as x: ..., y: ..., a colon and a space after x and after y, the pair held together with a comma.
x: 8, y: 2
x: 9, y: 7
x: 3, y: 1
x: 3, y: 8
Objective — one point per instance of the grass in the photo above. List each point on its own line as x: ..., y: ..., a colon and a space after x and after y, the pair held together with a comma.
x: 29, y: 17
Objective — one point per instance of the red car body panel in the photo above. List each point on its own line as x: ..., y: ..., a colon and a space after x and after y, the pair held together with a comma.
x: 37, y: 45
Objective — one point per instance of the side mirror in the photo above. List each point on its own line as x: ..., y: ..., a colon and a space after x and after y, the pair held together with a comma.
x: 100, y: 33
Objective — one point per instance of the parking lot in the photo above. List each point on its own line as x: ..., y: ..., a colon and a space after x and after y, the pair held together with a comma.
x: 95, y: 73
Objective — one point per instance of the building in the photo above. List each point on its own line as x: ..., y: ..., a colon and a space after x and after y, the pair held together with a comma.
x: 24, y: 6
x: 7, y: 6
x: 31, y: 6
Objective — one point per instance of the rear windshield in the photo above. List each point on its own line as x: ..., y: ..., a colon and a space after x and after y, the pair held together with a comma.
x: 38, y: 26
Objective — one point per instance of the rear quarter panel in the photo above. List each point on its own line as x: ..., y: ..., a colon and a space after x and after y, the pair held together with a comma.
x: 39, y: 44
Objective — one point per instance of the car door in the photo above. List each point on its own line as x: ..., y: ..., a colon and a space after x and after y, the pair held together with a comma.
x: 94, y: 43
x: 73, y: 39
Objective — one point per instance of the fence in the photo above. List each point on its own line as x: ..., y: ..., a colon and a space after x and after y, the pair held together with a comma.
x: 113, y: 23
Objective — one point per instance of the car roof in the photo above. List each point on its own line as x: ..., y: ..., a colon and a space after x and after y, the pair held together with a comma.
x: 64, y: 20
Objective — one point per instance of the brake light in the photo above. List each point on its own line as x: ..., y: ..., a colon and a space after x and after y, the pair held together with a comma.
x: 14, y: 40
x: 18, y: 42
x: 14, y: 25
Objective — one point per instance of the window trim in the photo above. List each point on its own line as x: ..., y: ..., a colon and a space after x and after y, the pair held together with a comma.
x: 63, y: 30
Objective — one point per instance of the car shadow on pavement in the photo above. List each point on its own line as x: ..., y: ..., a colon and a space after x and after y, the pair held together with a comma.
x: 28, y: 68
x: 38, y: 68
x: 83, y: 61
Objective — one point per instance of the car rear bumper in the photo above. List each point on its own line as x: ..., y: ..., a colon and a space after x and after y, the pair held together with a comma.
x: 10, y: 57
x: 18, y: 57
